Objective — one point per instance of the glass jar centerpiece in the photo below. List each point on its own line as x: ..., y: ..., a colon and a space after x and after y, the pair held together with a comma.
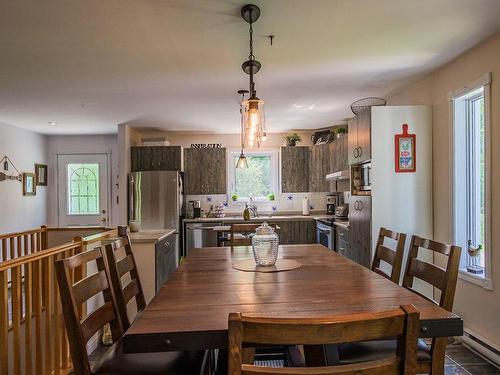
x: 265, y: 243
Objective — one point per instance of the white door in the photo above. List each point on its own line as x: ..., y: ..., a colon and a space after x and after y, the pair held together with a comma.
x: 83, y: 189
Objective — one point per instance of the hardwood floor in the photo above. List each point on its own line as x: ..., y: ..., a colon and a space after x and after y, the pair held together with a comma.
x: 462, y: 361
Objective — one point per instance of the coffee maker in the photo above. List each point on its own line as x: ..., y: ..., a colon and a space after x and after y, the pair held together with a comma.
x: 333, y: 200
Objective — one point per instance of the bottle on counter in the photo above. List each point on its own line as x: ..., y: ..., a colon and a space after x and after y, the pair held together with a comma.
x: 246, y: 213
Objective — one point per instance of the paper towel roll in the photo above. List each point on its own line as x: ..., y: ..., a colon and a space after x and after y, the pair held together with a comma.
x: 305, y: 206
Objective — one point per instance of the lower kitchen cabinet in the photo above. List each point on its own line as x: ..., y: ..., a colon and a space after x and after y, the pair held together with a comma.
x: 343, y: 245
x: 360, y: 229
x: 297, y: 232
x: 165, y: 262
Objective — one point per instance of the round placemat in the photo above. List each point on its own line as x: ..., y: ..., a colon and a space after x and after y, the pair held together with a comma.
x: 280, y: 265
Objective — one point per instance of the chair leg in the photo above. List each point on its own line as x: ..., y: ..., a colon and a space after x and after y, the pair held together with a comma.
x: 248, y: 356
x: 438, y: 351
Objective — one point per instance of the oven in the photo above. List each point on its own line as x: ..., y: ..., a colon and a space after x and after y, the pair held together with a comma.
x: 325, y: 234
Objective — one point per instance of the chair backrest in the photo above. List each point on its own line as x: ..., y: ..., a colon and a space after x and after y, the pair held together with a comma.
x: 119, y: 268
x: 402, y: 323
x: 238, y: 229
x: 444, y: 279
x: 392, y: 257
x: 73, y: 295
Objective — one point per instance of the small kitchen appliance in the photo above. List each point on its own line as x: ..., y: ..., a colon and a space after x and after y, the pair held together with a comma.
x: 196, y: 209
x: 342, y: 211
x: 333, y: 200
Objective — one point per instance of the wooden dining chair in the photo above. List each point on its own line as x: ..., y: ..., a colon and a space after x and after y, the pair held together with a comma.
x: 393, y: 257
x: 238, y: 233
x: 122, y: 268
x: 403, y: 323
x: 80, y: 331
x: 430, y: 358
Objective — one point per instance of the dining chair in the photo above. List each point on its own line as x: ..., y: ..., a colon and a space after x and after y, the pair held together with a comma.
x: 238, y: 233
x: 392, y: 257
x: 402, y: 323
x: 443, y: 279
x: 80, y: 331
x: 122, y: 268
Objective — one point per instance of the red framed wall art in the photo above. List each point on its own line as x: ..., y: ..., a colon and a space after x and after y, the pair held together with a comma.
x: 405, y: 150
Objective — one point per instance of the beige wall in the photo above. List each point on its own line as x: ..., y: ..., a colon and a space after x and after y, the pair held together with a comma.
x: 480, y: 308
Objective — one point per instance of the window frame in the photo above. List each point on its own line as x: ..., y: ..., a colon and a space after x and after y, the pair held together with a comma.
x: 457, y: 102
x: 231, y: 175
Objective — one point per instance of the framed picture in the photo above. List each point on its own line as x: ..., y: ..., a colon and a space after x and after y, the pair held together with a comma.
x: 405, y: 150
x: 29, y: 184
x: 41, y: 174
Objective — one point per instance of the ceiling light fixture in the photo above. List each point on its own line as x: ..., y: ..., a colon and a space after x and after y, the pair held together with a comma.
x: 52, y: 123
x: 252, y: 109
x: 242, y: 160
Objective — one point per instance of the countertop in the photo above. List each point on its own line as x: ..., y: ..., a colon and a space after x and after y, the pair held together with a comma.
x: 280, y: 217
x: 150, y: 235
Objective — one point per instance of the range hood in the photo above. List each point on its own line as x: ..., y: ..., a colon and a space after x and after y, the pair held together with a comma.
x: 342, y: 175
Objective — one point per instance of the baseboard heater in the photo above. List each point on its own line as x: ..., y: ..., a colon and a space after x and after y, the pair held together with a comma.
x: 481, y: 345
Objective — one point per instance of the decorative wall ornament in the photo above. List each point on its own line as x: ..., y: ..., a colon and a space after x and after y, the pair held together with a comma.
x: 29, y: 184
x: 41, y: 174
x: 4, y: 176
x: 406, y: 151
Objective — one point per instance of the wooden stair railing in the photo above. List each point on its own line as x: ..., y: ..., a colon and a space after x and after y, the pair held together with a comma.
x: 15, y: 245
x: 32, y: 334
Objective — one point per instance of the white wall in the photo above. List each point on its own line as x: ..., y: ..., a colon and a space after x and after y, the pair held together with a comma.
x: 24, y: 148
x: 82, y: 144
x: 402, y: 201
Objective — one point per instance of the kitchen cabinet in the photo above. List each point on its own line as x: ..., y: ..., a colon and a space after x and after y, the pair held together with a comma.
x: 338, y: 155
x: 359, y: 137
x: 342, y: 244
x: 156, y: 158
x: 205, y: 171
x: 296, y: 231
x: 295, y: 164
x: 165, y: 262
x: 319, y: 167
x: 360, y: 229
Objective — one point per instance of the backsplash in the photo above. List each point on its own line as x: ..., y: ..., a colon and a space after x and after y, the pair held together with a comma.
x: 284, y: 202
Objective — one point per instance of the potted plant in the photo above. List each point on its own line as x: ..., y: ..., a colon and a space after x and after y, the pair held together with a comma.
x: 234, y: 197
x: 292, y: 139
x: 270, y: 196
x: 341, y: 132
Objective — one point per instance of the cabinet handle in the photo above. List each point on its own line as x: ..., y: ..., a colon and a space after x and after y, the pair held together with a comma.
x: 354, y: 152
x: 360, y: 151
x: 360, y: 206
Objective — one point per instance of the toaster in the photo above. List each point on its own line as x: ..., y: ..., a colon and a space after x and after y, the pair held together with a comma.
x: 342, y: 210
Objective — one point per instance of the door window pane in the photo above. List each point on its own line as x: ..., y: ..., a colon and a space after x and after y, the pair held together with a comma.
x: 83, y: 189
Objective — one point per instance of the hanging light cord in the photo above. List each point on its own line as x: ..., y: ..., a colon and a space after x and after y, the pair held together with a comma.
x: 241, y: 122
x: 251, y: 56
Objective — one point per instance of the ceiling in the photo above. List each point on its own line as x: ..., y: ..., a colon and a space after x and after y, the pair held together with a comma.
x: 175, y: 65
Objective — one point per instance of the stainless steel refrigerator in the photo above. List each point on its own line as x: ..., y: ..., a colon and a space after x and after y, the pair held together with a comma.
x: 155, y: 199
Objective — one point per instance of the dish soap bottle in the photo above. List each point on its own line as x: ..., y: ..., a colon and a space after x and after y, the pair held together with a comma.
x: 246, y: 213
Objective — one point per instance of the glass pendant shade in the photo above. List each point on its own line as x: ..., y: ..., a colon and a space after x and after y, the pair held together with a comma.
x: 253, y: 122
x: 242, y: 161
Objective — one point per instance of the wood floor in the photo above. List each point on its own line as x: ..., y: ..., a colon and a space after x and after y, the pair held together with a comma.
x: 462, y: 361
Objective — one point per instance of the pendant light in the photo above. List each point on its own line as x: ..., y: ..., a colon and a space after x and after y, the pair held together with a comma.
x: 242, y: 160
x: 252, y: 109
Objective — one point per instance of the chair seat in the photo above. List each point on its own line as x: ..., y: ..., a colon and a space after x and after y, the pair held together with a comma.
x: 372, y: 350
x: 114, y: 361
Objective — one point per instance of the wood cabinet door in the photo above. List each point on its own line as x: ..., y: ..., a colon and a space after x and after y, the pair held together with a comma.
x: 364, y: 136
x: 352, y: 140
x: 192, y: 171
x: 360, y: 229
x: 319, y: 167
x: 169, y: 158
x: 214, y: 171
x: 155, y: 158
x: 165, y: 263
x: 295, y: 232
x: 295, y: 169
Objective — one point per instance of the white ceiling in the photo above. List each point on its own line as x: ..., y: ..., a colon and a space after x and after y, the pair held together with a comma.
x: 90, y: 65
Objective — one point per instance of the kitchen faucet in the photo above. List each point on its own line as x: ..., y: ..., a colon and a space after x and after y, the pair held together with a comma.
x: 252, y: 207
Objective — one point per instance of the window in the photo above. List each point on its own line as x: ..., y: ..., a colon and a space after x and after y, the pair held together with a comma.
x: 471, y: 180
x: 83, y: 189
x: 258, y: 181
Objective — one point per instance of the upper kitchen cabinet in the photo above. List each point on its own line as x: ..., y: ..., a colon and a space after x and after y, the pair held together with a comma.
x: 205, y: 171
x: 295, y: 162
x: 359, y: 138
x: 319, y: 167
x: 156, y: 158
x: 338, y: 155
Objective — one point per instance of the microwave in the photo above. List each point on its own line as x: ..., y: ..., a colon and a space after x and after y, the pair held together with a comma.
x: 365, y: 183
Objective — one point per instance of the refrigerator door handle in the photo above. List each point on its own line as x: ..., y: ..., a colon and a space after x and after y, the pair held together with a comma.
x: 132, y: 198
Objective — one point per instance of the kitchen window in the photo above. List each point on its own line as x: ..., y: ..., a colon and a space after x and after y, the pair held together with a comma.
x: 259, y: 181
x: 471, y: 180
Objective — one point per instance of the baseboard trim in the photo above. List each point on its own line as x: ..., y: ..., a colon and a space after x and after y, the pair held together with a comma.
x: 481, y: 345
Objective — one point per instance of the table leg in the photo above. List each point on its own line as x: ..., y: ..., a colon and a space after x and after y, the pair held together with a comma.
x: 321, y: 355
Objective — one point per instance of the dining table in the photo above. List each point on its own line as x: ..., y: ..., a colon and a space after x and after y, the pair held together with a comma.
x: 190, y: 311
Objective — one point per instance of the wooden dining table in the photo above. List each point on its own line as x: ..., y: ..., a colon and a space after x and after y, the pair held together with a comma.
x: 190, y: 311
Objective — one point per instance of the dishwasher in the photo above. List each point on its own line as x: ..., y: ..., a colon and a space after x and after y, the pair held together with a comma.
x: 201, y: 235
